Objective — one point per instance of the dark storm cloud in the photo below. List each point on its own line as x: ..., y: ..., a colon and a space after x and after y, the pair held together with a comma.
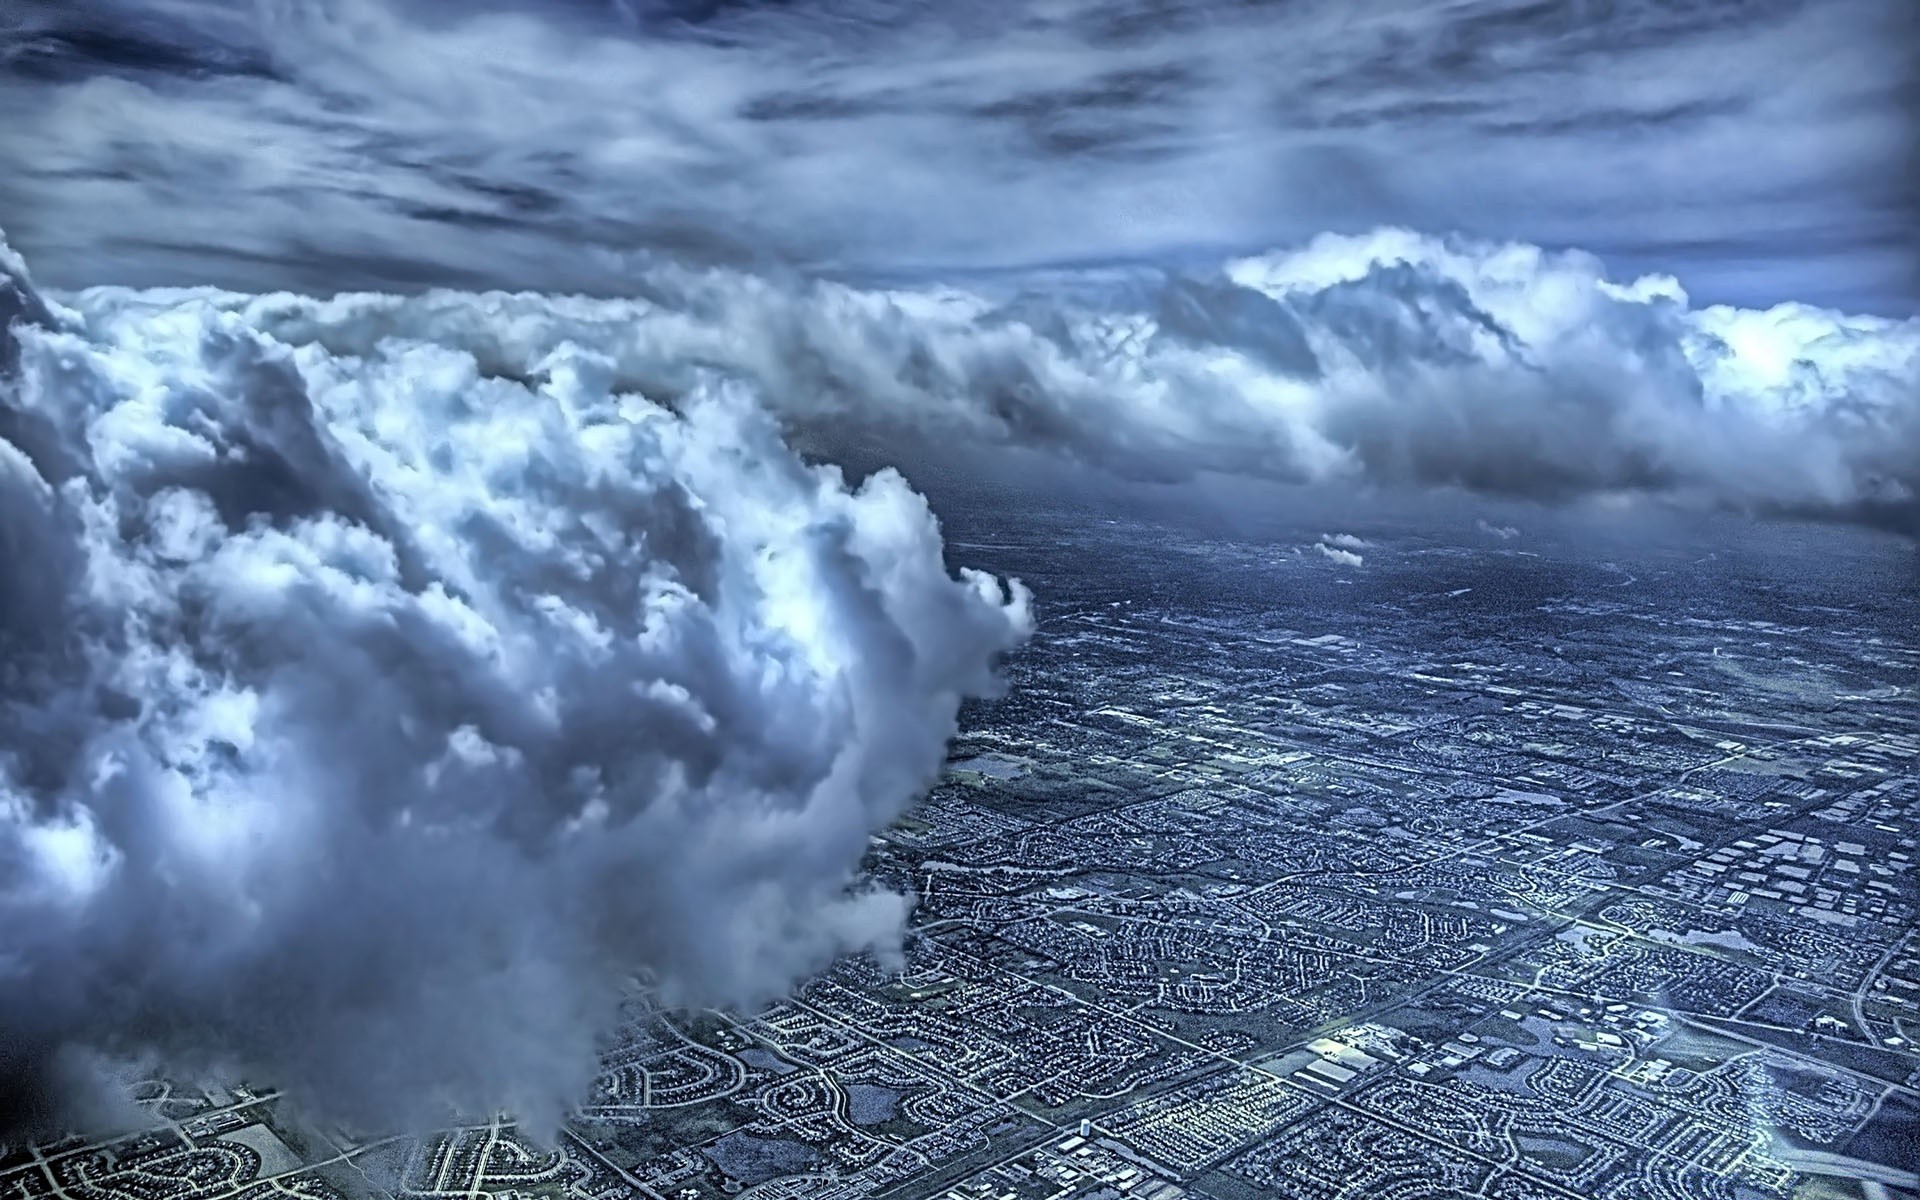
x: 338, y: 143
x: 366, y: 723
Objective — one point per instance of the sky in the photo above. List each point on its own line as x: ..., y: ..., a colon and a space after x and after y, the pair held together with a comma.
x: 1754, y: 148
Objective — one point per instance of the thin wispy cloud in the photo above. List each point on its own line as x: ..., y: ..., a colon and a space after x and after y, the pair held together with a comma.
x: 320, y: 144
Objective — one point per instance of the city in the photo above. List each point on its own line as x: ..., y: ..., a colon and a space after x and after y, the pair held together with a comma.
x: 1461, y: 868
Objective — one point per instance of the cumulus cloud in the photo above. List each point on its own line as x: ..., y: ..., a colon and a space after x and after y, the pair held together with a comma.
x: 1505, y: 533
x: 1345, y: 541
x: 1390, y: 359
x: 368, y: 721
x: 1345, y: 558
x: 316, y: 144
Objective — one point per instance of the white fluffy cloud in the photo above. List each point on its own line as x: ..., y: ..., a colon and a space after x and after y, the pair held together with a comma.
x: 1346, y: 558
x: 1392, y: 358
x: 365, y: 722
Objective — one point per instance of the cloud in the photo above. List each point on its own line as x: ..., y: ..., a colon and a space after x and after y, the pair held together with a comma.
x: 1345, y: 558
x: 1392, y: 359
x: 368, y: 721
x: 323, y: 144
x: 1505, y: 533
x: 1345, y: 541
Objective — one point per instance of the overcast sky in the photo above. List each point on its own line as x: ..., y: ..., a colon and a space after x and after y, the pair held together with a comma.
x: 1755, y: 148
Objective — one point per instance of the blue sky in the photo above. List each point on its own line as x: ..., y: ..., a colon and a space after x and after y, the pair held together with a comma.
x: 1752, y: 147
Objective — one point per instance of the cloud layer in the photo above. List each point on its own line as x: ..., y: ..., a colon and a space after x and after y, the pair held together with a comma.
x: 1754, y: 146
x: 366, y: 722
x: 396, y: 674
x: 1388, y: 359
